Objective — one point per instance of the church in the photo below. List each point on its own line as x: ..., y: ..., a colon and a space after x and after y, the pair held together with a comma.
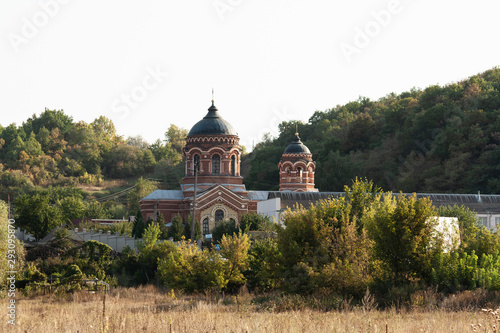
x: 213, y: 182
x: 213, y: 185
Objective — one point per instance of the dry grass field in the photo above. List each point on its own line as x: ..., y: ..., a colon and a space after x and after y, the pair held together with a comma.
x: 147, y: 310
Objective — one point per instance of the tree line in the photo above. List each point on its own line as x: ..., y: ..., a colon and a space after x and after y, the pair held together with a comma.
x: 51, y: 149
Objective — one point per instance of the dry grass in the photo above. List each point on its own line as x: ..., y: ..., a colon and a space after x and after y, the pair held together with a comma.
x: 148, y: 310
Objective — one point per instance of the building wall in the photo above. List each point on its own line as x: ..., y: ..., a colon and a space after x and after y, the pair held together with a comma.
x: 270, y: 208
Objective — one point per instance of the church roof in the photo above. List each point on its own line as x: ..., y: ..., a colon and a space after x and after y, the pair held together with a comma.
x: 212, y: 124
x: 164, y: 195
x: 296, y: 146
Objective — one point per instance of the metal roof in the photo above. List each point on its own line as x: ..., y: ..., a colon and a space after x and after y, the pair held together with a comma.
x: 258, y: 195
x: 296, y: 146
x: 164, y: 195
x: 212, y: 124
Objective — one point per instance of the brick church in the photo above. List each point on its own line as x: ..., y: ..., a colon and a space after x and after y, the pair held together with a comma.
x: 213, y: 180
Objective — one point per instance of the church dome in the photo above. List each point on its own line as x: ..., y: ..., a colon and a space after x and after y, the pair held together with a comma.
x: 212, y: 124
x: 297, y: 147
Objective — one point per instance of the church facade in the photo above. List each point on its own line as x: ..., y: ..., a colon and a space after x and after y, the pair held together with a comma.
x: 213, y: 182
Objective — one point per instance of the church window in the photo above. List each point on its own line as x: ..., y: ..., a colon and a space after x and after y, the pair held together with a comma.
x: 233, y: 165
x: 206, y: 229
x: 299, y: 173
x: 216, y: 164
x: 219, y: 215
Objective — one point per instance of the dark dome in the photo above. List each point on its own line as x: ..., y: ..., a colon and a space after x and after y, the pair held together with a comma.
x: 297, y: 147
x: 212, y: 124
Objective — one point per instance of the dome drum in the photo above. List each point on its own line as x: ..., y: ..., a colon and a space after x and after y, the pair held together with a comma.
x: 214, y: 145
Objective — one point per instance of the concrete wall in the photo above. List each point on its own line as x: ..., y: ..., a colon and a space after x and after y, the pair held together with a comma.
x: 116, y: 242
x: 270, y: 208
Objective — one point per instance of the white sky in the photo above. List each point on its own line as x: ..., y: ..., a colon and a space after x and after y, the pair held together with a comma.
x: 268, y: 61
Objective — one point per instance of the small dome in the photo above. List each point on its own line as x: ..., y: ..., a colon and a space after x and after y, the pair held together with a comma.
x: 212, y: 124
x: 297, y: 147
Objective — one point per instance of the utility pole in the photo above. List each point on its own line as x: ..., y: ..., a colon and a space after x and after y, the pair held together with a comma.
x: 195, y: 169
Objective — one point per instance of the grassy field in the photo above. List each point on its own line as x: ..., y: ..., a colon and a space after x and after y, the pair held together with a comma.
x: 147, y: 310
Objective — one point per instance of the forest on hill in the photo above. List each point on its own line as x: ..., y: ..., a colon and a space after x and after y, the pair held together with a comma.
x: 442, y: 139
x: 52, y: 150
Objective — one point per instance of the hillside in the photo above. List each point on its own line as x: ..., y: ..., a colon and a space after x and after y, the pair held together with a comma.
x: 53, y: 150
x: 440, y: 139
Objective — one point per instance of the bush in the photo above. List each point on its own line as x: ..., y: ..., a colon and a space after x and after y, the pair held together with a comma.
x: 223, y: 228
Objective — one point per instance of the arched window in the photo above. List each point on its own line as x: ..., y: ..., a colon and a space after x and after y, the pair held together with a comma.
x: 299, y: 174
x: 196, y: 162
x: 233, y: 165
x: 206, y: 229
x: 233, y: 222
x: 219, y: 215
x: 216, y: 164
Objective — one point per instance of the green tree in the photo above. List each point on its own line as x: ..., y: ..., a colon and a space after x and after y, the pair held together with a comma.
x: 160, y: 220
x: 222, y: 228
x: 361, y: 195
x: 149, y: 258
x: 234, y: 249
x: 37, y: 215
x: 402, y: 229
x: 148, y: 160
x: 105, y: 132
x: 322, y: 250
x: 255, y: 221
x: 141, y: 189
x: 4, y: 243
x: 49, y: 119
x: 151, y: 235
x: 190, y: 270
x: 264, y: 272
x: 176, y: 230
x: 175, y: 137
x: 170, y: 171
x: 95, y: 251
x: 14, y: 181
x: 124, y: 161
x: 138, y: 141
x: 139, y: 226
x: 96, y: 210
x: 33, y: 147
x: 73, y: 274
x: 71, y: 208
x: 163, y: 151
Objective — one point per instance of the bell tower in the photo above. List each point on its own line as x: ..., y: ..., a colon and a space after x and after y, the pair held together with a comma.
x: 297, y: 168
